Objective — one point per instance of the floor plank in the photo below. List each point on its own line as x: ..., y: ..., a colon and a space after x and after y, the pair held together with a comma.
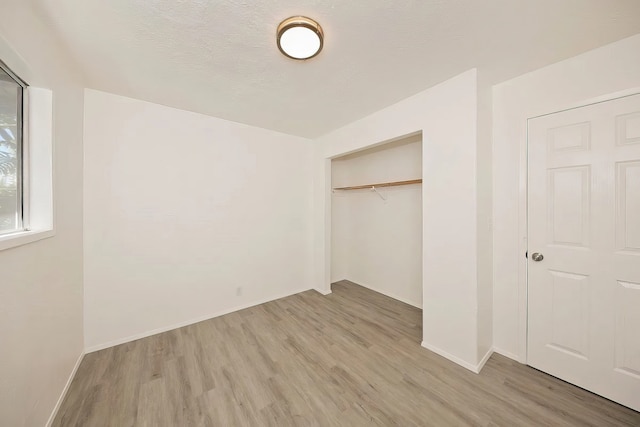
x: 351, y: 358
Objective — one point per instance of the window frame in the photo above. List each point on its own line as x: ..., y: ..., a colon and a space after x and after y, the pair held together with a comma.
x: 22, y: 221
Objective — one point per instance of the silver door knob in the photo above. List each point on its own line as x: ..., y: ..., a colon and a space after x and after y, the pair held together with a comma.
x: 537, y: 257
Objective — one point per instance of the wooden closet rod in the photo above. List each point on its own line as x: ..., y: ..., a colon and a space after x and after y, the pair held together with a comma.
x: 382, y: 184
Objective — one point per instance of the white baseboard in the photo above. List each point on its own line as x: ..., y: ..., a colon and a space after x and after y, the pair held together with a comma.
x: 450, y: 356
x: 389, y: 294
x: 470, y: 366
x: 65, y: 390
x: 484, y: 360
x: 146, y: 334
x: 507, y: 354
x: 322, y: 291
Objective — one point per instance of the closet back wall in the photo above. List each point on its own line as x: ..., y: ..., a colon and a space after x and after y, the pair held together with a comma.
x: 186, y: 217
x: 378, y: 243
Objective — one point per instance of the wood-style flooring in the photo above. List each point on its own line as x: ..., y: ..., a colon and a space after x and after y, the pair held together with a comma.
x: 352, y: 358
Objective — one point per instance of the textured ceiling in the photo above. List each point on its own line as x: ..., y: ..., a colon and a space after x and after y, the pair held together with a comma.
x: 220, y: 58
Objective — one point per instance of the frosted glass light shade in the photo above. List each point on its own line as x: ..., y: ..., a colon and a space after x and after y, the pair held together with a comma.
x: 300, y: 37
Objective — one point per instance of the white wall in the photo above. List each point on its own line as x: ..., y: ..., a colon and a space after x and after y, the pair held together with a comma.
x: 446, y: 114
x: 182, y: 210
x: 41, y: 335
x: 377, y: 243
x: 595, y: 75
x: 340, y: 232
x: 485, y: 220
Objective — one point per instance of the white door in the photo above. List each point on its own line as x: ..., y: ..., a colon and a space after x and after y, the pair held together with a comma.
x: 584, y: 222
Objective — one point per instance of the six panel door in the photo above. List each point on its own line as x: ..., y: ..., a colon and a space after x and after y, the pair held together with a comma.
x: 584, y: 219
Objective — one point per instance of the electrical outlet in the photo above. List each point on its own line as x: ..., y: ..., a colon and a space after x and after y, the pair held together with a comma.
x: 239, y: 291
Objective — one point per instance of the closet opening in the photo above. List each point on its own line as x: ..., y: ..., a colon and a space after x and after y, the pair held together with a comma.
x: 376, y: 222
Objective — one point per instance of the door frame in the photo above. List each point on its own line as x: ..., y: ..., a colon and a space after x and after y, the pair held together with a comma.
x: 523, y: 219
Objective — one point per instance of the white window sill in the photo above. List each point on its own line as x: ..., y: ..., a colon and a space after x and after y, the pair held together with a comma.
x: 13, y: 240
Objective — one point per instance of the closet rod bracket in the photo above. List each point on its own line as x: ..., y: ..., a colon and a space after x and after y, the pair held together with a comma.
x: 373, y: 188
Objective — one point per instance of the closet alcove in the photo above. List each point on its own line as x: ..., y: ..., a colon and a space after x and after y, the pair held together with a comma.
x: 376, y: 219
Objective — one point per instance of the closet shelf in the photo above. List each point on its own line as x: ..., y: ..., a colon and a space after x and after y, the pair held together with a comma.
x: 382, y: 184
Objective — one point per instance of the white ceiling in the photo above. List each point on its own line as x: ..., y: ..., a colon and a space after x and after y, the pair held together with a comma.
x: 220, y: 58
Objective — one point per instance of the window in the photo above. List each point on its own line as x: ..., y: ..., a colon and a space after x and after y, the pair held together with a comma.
x: 11, y: 152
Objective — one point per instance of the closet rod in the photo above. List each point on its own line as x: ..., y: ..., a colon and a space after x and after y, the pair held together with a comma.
x: 382, y: 184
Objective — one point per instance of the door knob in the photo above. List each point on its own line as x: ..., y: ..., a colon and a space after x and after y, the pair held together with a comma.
x: 537, y: 257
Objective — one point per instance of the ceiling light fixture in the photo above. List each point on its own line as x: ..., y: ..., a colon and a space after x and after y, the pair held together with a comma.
x: 300, y: 37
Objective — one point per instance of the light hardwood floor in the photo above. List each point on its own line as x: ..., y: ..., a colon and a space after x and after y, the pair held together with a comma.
x: 352, y: 358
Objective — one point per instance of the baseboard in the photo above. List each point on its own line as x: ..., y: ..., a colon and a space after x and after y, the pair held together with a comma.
x: 146, y: 334
x: 385, y: 293
x: 484, y: 360
x: 473, y: 368
x: 323, y: 292
x: 507, y: 354
x: 65, y: 390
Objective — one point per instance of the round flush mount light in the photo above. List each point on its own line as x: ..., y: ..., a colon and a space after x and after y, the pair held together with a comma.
x: 300, y: 37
